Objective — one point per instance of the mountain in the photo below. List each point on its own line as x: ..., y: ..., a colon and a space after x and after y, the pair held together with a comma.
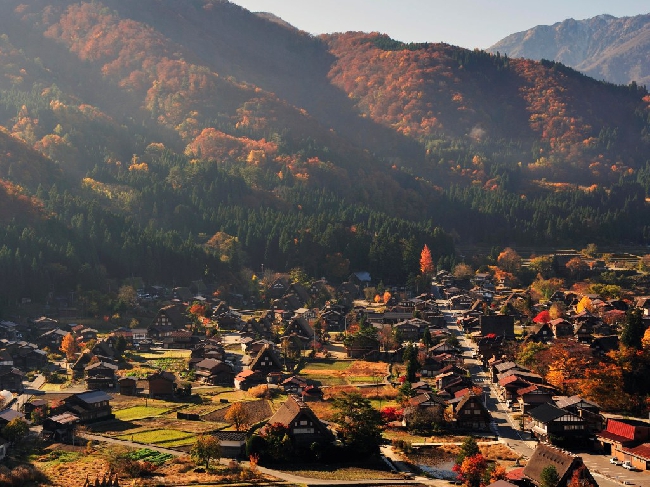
x: 603, y: 47
x: 171, y: 140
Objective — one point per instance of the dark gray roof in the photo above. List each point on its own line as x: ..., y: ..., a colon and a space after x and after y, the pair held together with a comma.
x: 65, y: 418
x: 230, y: 435
x: 564, y: 402
x: 91, y: 397
x: 9, y: 414
x: 548, y: 412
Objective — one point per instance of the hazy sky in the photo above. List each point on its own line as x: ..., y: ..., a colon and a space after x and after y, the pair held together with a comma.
x: 465, y: 23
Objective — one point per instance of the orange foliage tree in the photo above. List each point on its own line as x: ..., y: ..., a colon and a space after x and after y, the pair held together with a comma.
x: 472, y: 471
x: 69, y: 346
x: 567, y: 362
x: 426, y: 261
x: 604, y: 385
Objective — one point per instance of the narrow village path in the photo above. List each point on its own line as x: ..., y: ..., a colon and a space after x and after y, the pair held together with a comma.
x: 29, y: 389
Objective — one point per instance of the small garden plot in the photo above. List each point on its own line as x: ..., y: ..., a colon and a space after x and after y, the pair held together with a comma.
x: 175, y: 365
x: 156, y: 436
x: 203, y: 409
x: 146, y: 454
x: 139, y: 412
x: 178, y: 443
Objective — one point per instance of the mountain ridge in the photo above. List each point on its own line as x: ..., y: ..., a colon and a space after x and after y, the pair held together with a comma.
x: 603, y: 47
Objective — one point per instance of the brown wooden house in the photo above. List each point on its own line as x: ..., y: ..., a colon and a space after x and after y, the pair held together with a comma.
x: 214, y: 372
x: 266, y: 362
x: 565, y: 465
x: 89, y: 406
x: 101, y: 375
x: 167, y: 320
x: 304, y: 428
x: 60, y: 427
x: 552, y: 424
x: 11, y: 379
x: 127, y: 386
x: 161, y: 384
x: 471, y: 414
x: 534, y: 395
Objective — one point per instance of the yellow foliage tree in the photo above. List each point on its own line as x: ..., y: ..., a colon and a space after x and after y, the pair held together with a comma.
x: 645, y: 341
x: 585, y: 304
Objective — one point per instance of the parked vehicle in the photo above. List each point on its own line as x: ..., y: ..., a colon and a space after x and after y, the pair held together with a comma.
x: 628, y: 465
x: 615, y: 461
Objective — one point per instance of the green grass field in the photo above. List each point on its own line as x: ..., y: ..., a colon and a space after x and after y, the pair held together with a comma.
x: 328, y: 365
x: 176, y: 443
x: 158, y: 436
x: 139, y: 412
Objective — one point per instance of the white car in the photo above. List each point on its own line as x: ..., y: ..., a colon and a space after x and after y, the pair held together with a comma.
x: 628, y: 465
x: 615, y: 461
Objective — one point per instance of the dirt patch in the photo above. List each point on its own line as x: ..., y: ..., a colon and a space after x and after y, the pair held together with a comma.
x: 364, y: 368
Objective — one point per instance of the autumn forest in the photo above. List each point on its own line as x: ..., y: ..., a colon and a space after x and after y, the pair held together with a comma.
x: 175, y: 142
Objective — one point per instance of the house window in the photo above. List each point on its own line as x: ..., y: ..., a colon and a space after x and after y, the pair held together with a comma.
x: 309, y: 431
x: 304, y: 423
x: 477, y: 411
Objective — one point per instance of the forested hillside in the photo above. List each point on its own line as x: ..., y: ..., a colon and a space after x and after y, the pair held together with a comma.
x: 178, y: 140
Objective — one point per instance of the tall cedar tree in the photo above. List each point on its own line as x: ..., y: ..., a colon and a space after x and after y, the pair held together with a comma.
x: 360, y: 423
x: 633, y: 329
x: 468, y: 448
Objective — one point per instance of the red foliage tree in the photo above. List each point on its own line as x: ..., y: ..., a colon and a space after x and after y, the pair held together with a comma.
x: 472, y: 470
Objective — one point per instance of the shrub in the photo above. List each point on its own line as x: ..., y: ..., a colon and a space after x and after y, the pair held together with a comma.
x: 402, y: 445
x: 259, y: 391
